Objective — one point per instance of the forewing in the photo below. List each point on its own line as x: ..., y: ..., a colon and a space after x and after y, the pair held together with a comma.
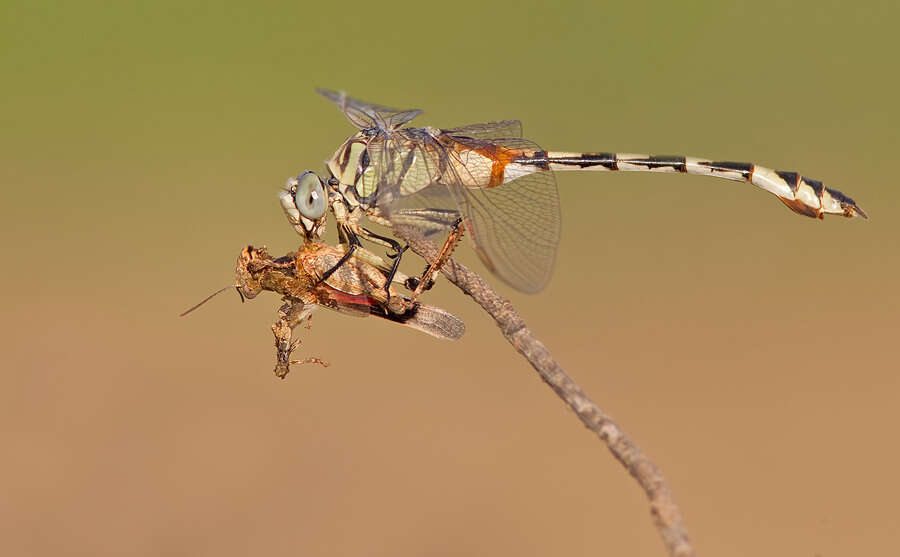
x: 365, y: 115
x: 489, y: 130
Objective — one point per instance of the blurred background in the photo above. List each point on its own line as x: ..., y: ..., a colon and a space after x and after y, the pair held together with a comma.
x: 750, y: 351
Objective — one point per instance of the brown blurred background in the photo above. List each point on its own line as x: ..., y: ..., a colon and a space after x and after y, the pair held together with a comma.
x: 750, y: 351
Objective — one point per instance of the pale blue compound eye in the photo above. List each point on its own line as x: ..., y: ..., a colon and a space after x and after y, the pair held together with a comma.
x: 310, y: 196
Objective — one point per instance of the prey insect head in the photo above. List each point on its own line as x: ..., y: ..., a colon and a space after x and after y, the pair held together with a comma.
x: 304, y: 201
x: 247, y: 271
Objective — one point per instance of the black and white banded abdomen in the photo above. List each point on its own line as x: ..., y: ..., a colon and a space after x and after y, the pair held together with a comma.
x: 801, y: 194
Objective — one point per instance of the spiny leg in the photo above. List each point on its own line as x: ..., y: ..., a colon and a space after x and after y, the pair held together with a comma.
x: 397, y: 255
x: 352, y: 242
x: 456, y: 232
x: 428, y: 221
x: 366, y: 256
x: 393, y: 272
x: 290, y: 315
x: 394, y: 245
x: 396, y: 251
x: 349, y: 235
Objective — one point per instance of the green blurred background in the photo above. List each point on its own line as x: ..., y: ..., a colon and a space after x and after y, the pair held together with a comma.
x: 750, y: 351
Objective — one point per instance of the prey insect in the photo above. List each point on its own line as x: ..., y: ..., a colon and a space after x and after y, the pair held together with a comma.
x: 353, y: 288
x: 500, y: 186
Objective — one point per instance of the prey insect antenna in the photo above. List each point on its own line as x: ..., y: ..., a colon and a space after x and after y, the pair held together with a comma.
x: 210, y: 297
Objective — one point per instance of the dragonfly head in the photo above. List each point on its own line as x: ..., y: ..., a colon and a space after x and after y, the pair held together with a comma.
x: 304, y: 202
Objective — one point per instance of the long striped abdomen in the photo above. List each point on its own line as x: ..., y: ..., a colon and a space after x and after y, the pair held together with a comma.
x: 801, y: 194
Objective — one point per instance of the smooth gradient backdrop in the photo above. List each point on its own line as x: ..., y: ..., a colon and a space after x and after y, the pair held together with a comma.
x: 750, y: 351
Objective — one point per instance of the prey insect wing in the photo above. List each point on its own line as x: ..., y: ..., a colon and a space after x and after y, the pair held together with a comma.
x: 355, y: 288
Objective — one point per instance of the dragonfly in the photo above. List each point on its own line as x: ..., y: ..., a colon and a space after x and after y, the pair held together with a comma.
x: 355, y: 288
x: 498, y: 185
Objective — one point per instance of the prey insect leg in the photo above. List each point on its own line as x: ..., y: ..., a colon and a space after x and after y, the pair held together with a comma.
x: 291, y: 314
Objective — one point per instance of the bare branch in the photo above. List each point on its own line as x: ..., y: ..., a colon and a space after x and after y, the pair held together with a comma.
x: 665, y: 513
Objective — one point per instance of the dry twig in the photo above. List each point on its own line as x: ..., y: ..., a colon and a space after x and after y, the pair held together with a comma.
x: 666, y: 516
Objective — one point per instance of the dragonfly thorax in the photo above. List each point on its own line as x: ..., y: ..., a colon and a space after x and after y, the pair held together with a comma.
x: 353, y: 169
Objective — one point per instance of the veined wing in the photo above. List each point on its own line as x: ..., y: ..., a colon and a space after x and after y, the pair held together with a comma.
x: 489, y: 130
x: 403, y: 163
x: 515, y: 227
x: 365, y: 115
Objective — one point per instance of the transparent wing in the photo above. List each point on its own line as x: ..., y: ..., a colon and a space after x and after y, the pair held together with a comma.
x: 489, y: 130
x: 365, y: 115
x: 404, y: 163
x: 515, y: 226
x: 432, y: 210
x: 408, y: 165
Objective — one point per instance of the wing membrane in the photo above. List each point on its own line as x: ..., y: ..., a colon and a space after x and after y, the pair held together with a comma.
x: 515, y: 226
x: 365, y: 115
x: 489, y: 130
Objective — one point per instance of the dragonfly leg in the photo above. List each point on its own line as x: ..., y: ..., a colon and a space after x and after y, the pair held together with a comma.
x: 353, y: 246
x: 431, y: 271
x: 396, y: 255
x: 366, y: 256
x: 393, y: 271
x: 350, y: 235
x: 383, y: 240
